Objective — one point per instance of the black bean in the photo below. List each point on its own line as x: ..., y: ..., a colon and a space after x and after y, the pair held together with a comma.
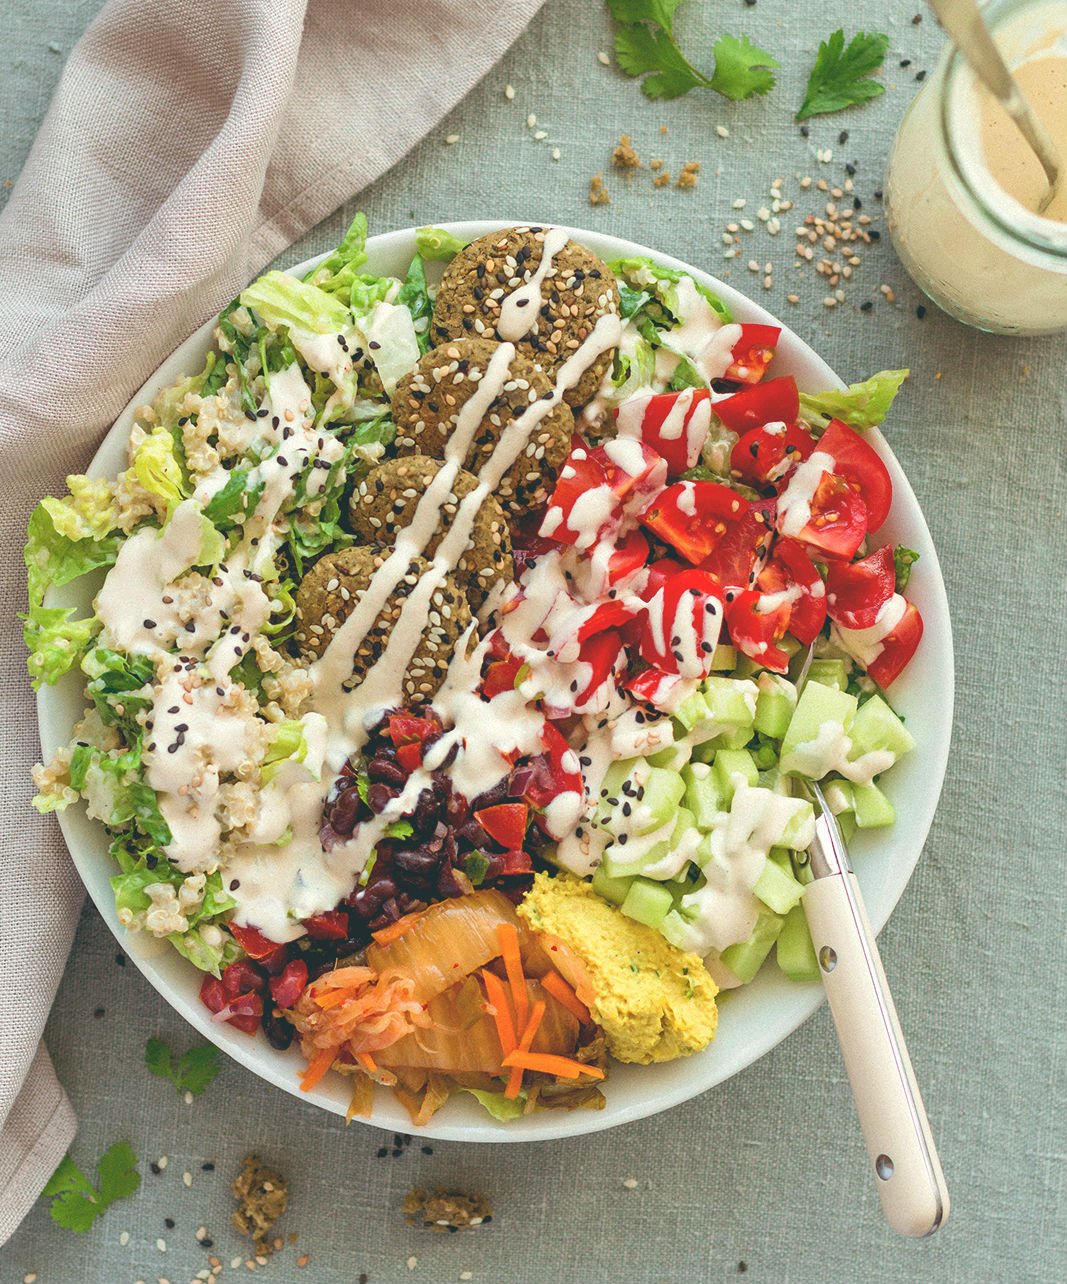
x: 342, y: 815
x: 389, y: 773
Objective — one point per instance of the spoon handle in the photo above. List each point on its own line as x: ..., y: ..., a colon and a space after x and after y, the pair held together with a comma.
x: 966, y: 27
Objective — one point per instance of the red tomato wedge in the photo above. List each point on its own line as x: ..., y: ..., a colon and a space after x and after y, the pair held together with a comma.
x: 596, y: 488
x: 500, y: 676
x: 790, y: 572
x: 765, y: 454
x: 897, y: 647
x: 857, y: 462
x: 776, y: 401
x: 631, y: 553
x: 409, y: 756
x: 600, y: 653
x: 681, y: 625
x: 838, y: 522
x: 857, y: 591
x: 674, y: 424
x: 692, y: 516
x: 755, y: 631
x: 737, y: 557
x: 252, y: 941
x: 653, y: 687
x: 505, y: 824
x: 330, y: 925
x: 405, y: 728
x: 752, y: 353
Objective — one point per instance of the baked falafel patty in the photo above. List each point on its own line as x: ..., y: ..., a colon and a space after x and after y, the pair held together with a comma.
x: 384, y: 503
x: 576, y: 292
x: 428, y: 401
x: 329, y: 592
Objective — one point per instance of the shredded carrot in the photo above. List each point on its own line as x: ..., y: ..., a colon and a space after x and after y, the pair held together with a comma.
x: 396, y: 930
x: 563, y: 1067
x: 509, y: 948
x: 367, y: 1062
x: 317, y: 1069
x: 515, y: 1078
x: 563, y: 993
x: 498, y: 997
x: 332, y: 997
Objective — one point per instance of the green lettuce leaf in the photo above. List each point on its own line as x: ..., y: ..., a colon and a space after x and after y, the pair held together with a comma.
x: 435, y: 243
x: 861, y: 405
x: 55, y: 642
x: 88, y: 512
x: 414, y: 295
x: 279, y: 299
x: 500, y: 1107
x: 155, y: 465
x: 336, y: 269
x: 636, y: 271
x: 53, y: 559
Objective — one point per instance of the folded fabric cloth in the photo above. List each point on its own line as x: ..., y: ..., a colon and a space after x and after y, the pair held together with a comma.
x: 186, y: 145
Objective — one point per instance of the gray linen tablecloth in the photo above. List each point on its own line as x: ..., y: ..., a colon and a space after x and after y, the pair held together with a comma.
x: 765, y: 1175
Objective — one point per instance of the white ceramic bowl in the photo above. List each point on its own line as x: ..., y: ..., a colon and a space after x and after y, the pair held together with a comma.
x: 757, y: 1017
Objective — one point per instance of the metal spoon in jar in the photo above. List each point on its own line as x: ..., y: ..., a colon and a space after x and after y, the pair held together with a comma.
x: 900, y: 1143
x: 968, y: 31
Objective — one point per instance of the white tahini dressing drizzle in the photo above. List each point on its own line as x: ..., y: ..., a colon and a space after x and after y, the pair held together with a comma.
x: 519, y: 310
x: 794, y: 503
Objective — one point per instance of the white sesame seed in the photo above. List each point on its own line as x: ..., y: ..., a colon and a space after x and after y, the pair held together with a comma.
x: 740, y: 203
x: 748, y: 225
x: 774, y: 226
x: 763, y: 213
x: 31, y: 1278
x: 162, y: 1161
x: 805, y: 182
x: 466, y: 1275
x: 630, y: 1183
x: 235, y: 1262
x: 766, y: 282
x: 753, y: 266
x: 509, y: 92
x: 412, y: 1262
x: 605, y: 60
x: 541, y: 134
x: 730, y: 254
x: 792, y: 298
x: 722, y: 131
x: 768, y: 267
x: 187, y: 1097
x: 452, y: 138
x: 124, y: 1238
x: 531, y: 121
x: 555, y: 153
x: 187, y: 1178
x: 733, y: 227
x: 727, y: 239
x: 829, y: 302
x: 161, y: 1244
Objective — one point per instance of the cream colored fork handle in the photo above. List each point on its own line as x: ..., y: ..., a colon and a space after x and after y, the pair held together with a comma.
x: 903, y: 1158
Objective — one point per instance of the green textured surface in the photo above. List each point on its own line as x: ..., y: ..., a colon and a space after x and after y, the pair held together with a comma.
x: 767, y: 1170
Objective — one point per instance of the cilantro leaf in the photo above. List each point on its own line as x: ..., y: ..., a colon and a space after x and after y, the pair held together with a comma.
x: 645, y: 46
x: 741, y: 69
x: 839, y: 77
x: 194, y: 1071
x: 76, y: 1202
x: 903, y: 560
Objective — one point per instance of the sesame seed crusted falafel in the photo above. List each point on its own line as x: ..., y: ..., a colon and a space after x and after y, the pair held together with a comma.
x: 578, y: 289
x: 427, y: 405
x: 384, y: 503
x: 328, y: 594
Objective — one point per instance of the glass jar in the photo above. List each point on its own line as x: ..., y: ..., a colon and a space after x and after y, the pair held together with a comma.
x: 962, y: 186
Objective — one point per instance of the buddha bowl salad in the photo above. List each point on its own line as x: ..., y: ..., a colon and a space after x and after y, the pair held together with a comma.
x: 438, y: 694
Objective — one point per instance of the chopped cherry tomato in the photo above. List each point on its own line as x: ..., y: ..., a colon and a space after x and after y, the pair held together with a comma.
x: 737, y: 557
x: 241, y: 975
x: 791, y: 577
x: 654, y: 687
x: 500, y: 866
x: 692, y: 516
x: 600, y: 653
x: 774, y: 402
x: 409, y: 757
x: 500, y: 676
x: 212, y: 994
x: 838, y: 522
x: 246, y: 1012
x: 330, y: 925
x: 659, y: 572
x: 556, y: 771
x: 674, y: 424
x: 405, y: 729
x: 505, y: 823
x: 897, y: 647
x: 858, y: 463
x: 252, y: 941
x: 631, y: 553
x: 765, y: 454
x: 607, y: 615
x: 857, y: 591
x: 682, y: 623
x: 596, y: 488
x: 752, y: 353
x: 288, y: 987
x: 755, y: 630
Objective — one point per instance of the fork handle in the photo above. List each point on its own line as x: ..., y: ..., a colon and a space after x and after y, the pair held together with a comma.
x: 900, y: 1145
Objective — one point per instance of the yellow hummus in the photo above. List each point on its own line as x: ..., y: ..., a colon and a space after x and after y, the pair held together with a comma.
x: 653, y: 1001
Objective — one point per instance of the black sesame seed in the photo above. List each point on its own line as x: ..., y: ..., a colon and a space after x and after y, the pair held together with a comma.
x: 208, y: 1167
x: 427, y: 1150
x: 382, y: 1152
x: 920, y: 75
x: 98, y: 1013
x: 905, y: 62
x: 866, y: 305
x: 842, y: 138
x: 155, y: 1167
x: 920, y: 311
x: 804, y: 131
x: 168, y: 1222
x: 149, y: 624
x: 850, y: 170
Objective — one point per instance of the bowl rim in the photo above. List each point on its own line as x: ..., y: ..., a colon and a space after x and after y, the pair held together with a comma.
x: 686, y: 1078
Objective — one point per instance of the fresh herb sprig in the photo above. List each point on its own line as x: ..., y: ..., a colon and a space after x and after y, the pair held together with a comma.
x: 193, y: 1071
x: 76, y: 1202
x: 840, y: 77
x: 645, y: 46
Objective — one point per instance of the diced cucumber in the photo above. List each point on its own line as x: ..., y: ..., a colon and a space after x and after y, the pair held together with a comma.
x: 774, y: 705
x: 732, y: 762
x: 829, y: 673
x: 746, y: 957
x: 838, y: 795
x: 702, y: 795
x: 647, y: 902
x: 612, y: 889
x: 876, y: 726
x: 637, y: 798
x: 847, y: 824
x: 692, y: 711
x: 628, y: 856
x: 619, y: 864
x: 819, y: 707
x: 873, y: 809
x: 731, y: 701
x: 795, y: 952
x: 672, y: 758
x: 777, y: 888
x: 798, y: 831
x: 766, y: 755
x: 723, y: 658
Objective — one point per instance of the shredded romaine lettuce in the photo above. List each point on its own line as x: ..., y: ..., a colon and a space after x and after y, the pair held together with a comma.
x: 155, y: 465
x: 860, y: 405
x: 280, y: 299
x: 55, y: 642
x: 437, y: 243
x: 646, y: 274
x: 88, y: 512
x: 414, y: 295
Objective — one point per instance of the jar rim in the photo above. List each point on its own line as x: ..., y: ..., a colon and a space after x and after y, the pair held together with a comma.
x: 1022, y: 227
